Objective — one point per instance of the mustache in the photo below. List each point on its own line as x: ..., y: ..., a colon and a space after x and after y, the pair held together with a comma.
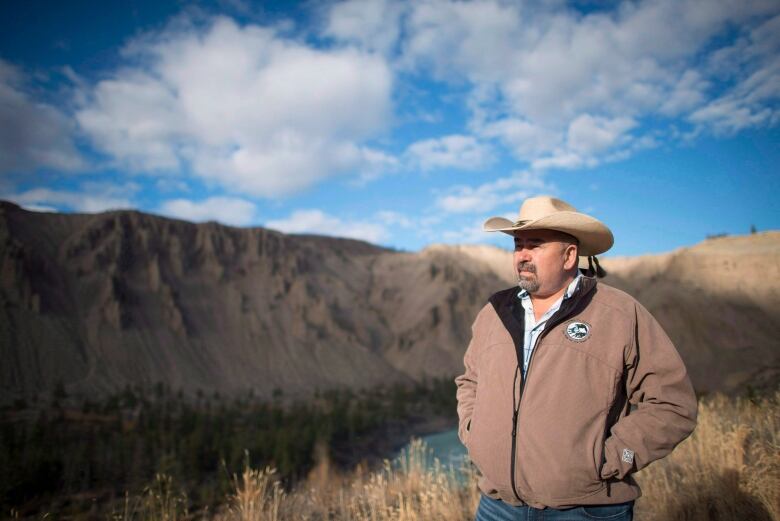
x: 526, y: 266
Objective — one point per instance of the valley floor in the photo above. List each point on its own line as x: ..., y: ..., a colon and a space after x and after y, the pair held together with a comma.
x: 729, y: 469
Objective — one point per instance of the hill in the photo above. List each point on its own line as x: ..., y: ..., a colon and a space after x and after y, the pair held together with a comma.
x: 98, y: 302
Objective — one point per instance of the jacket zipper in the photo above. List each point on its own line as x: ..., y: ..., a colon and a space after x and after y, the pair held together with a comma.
x: 515, y: 411
x: 554, y: 320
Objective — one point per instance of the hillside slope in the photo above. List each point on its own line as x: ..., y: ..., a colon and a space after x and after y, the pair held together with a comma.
x: 101, y: 301
x: 720, y: 303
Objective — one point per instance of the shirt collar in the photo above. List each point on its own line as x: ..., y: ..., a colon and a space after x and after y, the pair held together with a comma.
x: 570, y: 289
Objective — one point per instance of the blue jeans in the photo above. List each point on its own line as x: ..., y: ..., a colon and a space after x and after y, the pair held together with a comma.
x: 495, y: 510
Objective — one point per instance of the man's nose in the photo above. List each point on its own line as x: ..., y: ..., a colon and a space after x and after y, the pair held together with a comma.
x: 522, y: 254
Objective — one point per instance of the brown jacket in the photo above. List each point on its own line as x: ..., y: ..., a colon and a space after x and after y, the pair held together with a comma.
x: 577, y: 439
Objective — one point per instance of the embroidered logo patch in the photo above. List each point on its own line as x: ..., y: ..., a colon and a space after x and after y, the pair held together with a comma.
x: 577, y: 331
x: 628, y: 456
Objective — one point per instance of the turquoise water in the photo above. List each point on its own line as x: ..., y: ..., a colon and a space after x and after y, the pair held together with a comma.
x: 444, y: 446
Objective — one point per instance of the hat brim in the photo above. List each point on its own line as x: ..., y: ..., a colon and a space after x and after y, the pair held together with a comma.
x: 594, y: 237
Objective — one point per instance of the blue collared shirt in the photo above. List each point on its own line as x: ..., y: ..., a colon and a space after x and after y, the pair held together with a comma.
x: 533, y: 328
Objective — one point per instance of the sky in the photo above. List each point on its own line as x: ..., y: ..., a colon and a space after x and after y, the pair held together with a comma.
x: 400, y: 123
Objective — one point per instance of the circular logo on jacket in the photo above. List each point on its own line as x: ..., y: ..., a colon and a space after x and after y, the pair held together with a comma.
x: 577, y: 331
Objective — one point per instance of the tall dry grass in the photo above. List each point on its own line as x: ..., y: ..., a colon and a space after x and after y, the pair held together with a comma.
x: 160, y: 501
x: 408, y: 489
x: 728, y: 470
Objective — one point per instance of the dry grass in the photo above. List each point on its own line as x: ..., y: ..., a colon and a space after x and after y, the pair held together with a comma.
x: 728, y: 470
x: 159, y: 502
x: 405, y: 490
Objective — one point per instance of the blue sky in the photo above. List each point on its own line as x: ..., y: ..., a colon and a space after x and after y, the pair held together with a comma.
x: 400, y: 123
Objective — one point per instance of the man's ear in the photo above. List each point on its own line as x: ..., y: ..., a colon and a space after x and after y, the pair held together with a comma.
x: 570, y: 257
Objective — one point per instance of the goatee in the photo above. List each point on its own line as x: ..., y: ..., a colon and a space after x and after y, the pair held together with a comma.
x: 531, y: 285
x: 528, y: 283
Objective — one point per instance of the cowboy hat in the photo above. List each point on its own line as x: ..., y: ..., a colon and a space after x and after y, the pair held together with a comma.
x: 548, y: 213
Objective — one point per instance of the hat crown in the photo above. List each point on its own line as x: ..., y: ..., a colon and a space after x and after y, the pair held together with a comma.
x: 549, y: 213
x: 542, y: 206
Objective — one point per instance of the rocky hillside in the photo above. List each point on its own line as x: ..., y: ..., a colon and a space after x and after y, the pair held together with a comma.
x: 100, y: 301
x: 97, y: 302
x: 720, y: 302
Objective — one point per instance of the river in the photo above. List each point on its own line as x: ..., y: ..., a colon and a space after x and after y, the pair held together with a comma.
x: 444, y: 446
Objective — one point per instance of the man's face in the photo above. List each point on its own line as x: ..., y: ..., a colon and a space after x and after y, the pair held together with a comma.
x: 543, y: 260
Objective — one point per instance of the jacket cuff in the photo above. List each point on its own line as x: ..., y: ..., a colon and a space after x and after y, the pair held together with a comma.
x: 619, y: 459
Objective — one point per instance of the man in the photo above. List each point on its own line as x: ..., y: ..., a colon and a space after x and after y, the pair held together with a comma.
x: 571, y: 385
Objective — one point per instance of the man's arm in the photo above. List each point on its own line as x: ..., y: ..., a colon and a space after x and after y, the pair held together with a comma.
x: 658, y: 385
x: 467, y: 382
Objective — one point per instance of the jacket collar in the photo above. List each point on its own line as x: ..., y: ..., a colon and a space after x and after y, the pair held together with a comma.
x: 505, y: 303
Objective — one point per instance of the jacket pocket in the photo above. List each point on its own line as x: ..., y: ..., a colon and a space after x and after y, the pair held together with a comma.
x: 488, y: 440
x: 469, y: 423
x: 601, y: 459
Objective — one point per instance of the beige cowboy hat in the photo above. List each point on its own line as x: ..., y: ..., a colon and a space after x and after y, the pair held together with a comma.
x: 548, y: 213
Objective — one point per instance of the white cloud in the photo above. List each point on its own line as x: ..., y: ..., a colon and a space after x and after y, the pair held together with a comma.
x: 590, y: 135
x: 472, y: 232
x: 372, y: 24
x: 375, y: 163
x: 523, y: 138
x: 134, y: 118
x: 562, y: 160
x: 563, y: 89
x: 227, y: 210
x: 478, y: 39
x: 242, y: 106
x: 454, y: 151
x: 486, y: 197
x: 753, y: 98
x: 321, y: 223
x: 686, y: 94
x: 391, y: 218
x: 33, y: 134
x: 91, y: 198
x: 263, y: 111
x: 169, y: 184
x: 39, y: 208
x: 728, y: 115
